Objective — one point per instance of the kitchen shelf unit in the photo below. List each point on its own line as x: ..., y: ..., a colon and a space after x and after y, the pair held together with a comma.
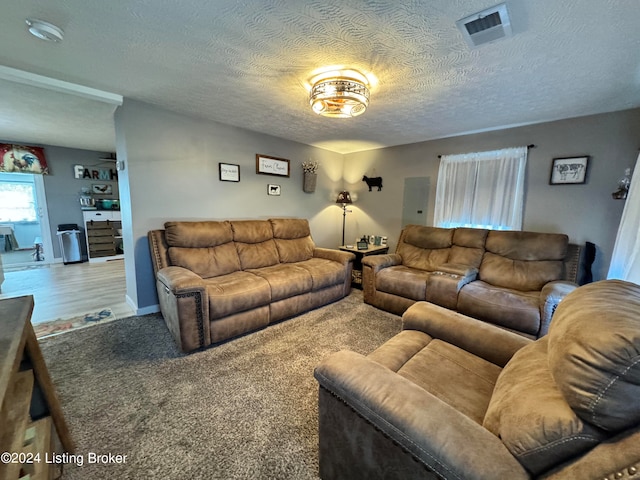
x: 103, y: 241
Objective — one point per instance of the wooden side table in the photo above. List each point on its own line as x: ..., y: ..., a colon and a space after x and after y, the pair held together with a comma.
x: 356, y: 274
x: 32, y: 426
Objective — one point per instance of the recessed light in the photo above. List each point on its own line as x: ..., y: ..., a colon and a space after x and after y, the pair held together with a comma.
x: 44, y: 30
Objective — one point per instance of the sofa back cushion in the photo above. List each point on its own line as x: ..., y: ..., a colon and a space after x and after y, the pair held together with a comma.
x: 468, y: 246
x: 205, y: 248
x: 254, y: 243
x: 425, y: 248
x: 292, y: 239
x: 594, y: 353
x: 523, y: 261
x: 531, y: 416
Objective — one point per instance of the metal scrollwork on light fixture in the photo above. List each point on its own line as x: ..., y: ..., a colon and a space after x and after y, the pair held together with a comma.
x: 342, y: 94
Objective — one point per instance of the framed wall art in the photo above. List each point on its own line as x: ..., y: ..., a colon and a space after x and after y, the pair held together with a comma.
x: 570, y: 170
x: 229, y: 172
x: 101, y: 189
x: 272, y: 165
x: 273, y: 189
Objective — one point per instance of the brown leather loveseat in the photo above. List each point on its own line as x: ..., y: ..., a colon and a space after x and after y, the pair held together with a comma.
x: 514, y: 279
x: 220, y: 279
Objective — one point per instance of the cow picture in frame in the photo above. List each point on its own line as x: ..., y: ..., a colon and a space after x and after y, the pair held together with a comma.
x: 569, y: 170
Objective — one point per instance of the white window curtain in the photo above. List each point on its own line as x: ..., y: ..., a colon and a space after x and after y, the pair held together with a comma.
x: 625, y: 261
x: 481, y: 190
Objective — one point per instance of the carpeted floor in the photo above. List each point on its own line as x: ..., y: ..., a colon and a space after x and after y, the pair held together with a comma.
x: 246, y: 409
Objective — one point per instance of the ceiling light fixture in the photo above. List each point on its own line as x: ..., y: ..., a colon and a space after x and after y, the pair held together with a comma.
x: 339, y: 94
x: 44, y: 30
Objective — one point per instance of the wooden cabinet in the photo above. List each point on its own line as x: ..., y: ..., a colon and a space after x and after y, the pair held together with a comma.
x: 104, y: 240
x: 32, y: 427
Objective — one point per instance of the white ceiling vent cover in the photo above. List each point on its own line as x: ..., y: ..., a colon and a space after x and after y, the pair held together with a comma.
x: 486, y: 26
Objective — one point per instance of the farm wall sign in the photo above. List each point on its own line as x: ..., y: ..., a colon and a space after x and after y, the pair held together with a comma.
x: 105, y: 174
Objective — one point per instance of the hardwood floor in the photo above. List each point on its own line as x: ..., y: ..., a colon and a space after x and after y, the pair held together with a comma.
x: 67, y: 291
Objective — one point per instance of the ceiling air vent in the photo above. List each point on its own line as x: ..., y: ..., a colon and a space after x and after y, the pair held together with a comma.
x: 486, y: 26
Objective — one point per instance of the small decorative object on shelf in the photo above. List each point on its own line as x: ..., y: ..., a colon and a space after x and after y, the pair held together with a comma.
x: 623, y: 186
x: 310, y: 176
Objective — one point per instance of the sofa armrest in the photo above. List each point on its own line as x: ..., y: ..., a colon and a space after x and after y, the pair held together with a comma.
x: 550, y: 296
x: 484, y: 340
x: 378, y: 262
x: 179, y: 279
x: 336, y: 255
x: 185, y: 307
x: 440, y: 437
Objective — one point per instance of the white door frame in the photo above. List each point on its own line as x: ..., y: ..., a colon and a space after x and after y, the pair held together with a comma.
x: 43, y: 215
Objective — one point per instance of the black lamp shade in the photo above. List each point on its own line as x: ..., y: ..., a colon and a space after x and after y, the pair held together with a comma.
x: 344, y: 198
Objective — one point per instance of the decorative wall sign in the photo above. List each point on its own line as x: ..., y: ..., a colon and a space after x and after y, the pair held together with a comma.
x: 272, y: 165
x: 22, y: 159
x: 102, y: 189
x: 273, y: 189
x: 104, y: 174
x: 373, y: 182
x: 571, y: 170
x: 229, y: 172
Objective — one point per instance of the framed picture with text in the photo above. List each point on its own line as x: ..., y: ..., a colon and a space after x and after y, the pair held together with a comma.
x: 229, y: 172
x: 570, y: 170
x: 272, y: 165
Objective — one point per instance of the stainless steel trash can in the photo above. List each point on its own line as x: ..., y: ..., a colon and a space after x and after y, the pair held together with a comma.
x: 69, y: 238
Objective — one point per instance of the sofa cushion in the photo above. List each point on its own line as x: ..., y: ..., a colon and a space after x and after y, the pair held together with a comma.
x: 285, y: 280
x: 424, y: 248
x: 529, y: 413
x: 503, y: 306
x: 455, y: 376
x: 254, y: 243
x: 403, y: 281
x: 293, y: 239
x: 468, y: 246
x: 324, y: 273
x: 290, y: 227
x: 594, y: 353
x: 257, y: 255
x: 527, y: 246
x: 236, y: 292
x: 206, y: 262
x: 197, y: 234
x: 521, y: 275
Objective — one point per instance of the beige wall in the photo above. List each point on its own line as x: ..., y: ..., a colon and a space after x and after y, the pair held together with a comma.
x: 584, y: 212
x: 172, y: 173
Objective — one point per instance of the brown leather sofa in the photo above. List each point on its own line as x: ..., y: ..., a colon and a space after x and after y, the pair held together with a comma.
x: 451, y: 397
x: 511, y: 278
x: 220, y: 279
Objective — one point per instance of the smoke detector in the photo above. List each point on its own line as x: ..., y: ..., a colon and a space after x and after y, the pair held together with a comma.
x: 44, y: 30
x: 486, y: 26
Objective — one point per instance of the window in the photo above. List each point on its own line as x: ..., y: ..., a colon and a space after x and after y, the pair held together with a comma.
x: 17, y: 202
x: 481, y: 190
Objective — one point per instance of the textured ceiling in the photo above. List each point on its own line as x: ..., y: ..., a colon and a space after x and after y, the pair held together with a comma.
x: 245, y: 63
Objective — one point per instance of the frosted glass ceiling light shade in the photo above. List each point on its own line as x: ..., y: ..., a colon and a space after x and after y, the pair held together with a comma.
x: 340, y: 95
x: 44, y: 30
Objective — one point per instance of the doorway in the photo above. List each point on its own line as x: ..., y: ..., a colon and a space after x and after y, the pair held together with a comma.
x: 25, y: 235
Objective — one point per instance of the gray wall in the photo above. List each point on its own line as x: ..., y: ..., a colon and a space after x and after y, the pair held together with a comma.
x: 171, y: 173
x: 584, y: 212
x: 63, y: 190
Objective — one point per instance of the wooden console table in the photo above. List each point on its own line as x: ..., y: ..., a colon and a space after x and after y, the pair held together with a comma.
x: 32, y: 426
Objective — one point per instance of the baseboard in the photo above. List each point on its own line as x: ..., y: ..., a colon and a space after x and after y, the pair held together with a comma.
x: 142, y: 311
